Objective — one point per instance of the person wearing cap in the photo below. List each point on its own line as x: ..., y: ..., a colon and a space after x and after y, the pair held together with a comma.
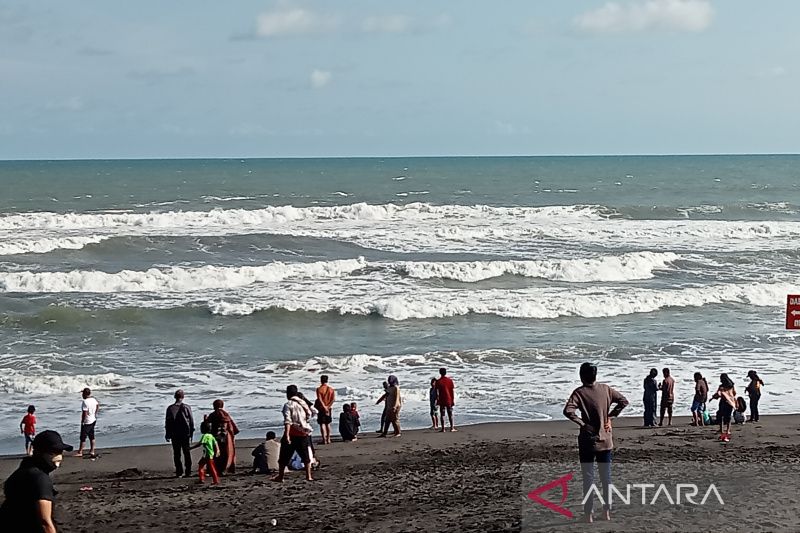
x: 29, y: 492
x: 179, y: 428
x: 89, y: 409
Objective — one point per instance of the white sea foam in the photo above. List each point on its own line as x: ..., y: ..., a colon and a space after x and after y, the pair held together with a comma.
x: 13, y: 381
x: 47, y: 244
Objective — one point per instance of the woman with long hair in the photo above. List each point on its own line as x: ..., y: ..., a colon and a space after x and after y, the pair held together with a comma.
x: 726, y: 393
x: 224, y: 430
x: 754, y: 391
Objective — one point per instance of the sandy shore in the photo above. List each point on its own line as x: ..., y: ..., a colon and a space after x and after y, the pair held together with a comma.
x: 472, y: 480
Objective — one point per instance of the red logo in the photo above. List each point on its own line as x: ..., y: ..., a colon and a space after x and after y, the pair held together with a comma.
x: 560, y: 482
x: 793, y: 311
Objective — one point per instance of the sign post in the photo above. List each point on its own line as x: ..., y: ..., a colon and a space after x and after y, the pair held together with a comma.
x: 793, y: 311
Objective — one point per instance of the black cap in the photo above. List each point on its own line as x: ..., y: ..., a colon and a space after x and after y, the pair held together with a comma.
x: 50, y: 442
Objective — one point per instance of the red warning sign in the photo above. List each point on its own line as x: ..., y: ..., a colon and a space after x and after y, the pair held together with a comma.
x: 793, y: 311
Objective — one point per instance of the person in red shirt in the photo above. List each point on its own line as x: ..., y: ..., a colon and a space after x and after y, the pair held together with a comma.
x: 445, y: 396
x: 28, y: 428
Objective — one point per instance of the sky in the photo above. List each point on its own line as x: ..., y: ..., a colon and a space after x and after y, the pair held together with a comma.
x: 201, y: 78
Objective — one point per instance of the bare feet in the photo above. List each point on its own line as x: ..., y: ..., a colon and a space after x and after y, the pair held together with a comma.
x: 77, y: 454
x: 607, y: 515
x: 277, y: 479
x: 396, y: 435
x: 453, y: 430
x: 588, y: 518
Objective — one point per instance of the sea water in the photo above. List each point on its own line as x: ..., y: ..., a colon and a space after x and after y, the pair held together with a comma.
x: 234, y: 278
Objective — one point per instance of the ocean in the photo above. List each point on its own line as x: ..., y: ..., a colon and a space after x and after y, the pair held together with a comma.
x: 234, y: 278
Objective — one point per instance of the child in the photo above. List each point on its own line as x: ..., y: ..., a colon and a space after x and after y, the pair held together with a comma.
x: 738, y: 413
x: 28, y: 428
x: 434, y: 403
x: 210, y: 451
x: 347, y: 424
x: 726, y: 393
x: 383, y: 399
x: 754, y: 391
x: 354, y: 411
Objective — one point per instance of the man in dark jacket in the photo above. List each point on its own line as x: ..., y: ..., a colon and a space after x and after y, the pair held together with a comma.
x: 179, y: 427
x: 28, y: 506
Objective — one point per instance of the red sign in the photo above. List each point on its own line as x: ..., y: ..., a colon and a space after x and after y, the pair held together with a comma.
x: 793, y: 311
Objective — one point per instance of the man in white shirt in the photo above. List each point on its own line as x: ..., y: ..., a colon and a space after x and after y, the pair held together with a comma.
x: 89, y: 409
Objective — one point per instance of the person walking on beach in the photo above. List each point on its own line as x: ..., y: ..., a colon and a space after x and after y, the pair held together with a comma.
x: 445, y: 397
x: 89, y: 409
x: 224, y: 430
x: 650, y: 398
x: 753, y: 390
x: 667, y: 387
x: 594, y: 401
x: 383, y: 412
x: 28, y: 428
x: 211, y: 452
x: 29, y: 492
x: 179, y: 429
x: 296, y: 434
x: 727, y: 403
x: 393, y: 404
x: 700, y: 399
x: 326, y: 395
x: 434, y: 405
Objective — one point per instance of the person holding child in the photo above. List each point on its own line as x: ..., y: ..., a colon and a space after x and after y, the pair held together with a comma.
x: 726, y: 393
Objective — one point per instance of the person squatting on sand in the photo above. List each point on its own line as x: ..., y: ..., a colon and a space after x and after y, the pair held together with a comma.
x: 296, y: 434
x: 753, y: 390
x: 29, y: 491
x: 211, y: 451
x: 446, y: 397
x: 650, y: 398
x: 27, y: 427
x: 224, y: 430
x: 179, y: 429
x: 347, y: 424
x: 700, y: 399
x: 594, y: 401
x: 356, y: 415
x: 667, y: 387
x: 392, y: 409
x: 326, y: 395
x: 383, y: 412
x: 90, y: 407
x: 265, y: 455
x: 726, y: 393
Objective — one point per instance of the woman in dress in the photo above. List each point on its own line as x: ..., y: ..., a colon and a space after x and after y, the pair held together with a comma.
x: 392, y: 409
x: 224, y: 430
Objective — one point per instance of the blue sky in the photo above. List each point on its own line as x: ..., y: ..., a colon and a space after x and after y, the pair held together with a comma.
x: 98, y: 79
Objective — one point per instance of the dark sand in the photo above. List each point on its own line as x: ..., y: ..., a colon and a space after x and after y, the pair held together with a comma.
x: 471, y: 480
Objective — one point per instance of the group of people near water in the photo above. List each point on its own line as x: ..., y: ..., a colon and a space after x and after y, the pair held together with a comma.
x: 731, y: 407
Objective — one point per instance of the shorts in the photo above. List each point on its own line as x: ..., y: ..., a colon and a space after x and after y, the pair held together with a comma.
x: 725, y: 412
x: 300, y: 445
x: 698, y: 407
x: 323, y: 419
x: 29, y: 439
x: 87, y: 431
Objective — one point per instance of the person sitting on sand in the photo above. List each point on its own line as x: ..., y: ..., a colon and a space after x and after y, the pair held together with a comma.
x: 700, y: 399
x: 296, y: 434
x: 434, y: 405
x: 211, y: 451
x: 383, y: 413
x: 594, y: 401
x: 753, y: 390
x: 393, y: 404
x: 224, y: 430
x: 445, y: 397
x: 667, y: 387
x: 726, y: 393
x: 347, y: 424
x: 265, y: 455
x: 650, y: 398
x: 356, y: 415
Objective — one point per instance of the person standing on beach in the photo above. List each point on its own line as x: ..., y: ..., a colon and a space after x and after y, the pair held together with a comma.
x: 326, y: 395
x: 700, y: 399
x: 727, y: 403
x: 296, y: 434
x: 89, y: 409
x: 179, y: 429
x: 29, y: 492
x: 446, y: 397
x: 224, y: 430
x: 383, y: 413
x: 650, y: 398
x: 667, y: 397
x: 434, y: 404
x: 393, y: 404
x: 753, y: 390
x: 594, y: 401
x: 211, y: 452
x: 28, y: 428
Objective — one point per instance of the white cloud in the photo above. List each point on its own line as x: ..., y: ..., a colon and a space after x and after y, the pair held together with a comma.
x: 293, y: 21
x: 387, y: 24
x: 320, y: 78
x: 672, y: 15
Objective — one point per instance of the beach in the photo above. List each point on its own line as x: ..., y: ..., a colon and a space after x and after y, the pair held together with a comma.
x: 472, y: 480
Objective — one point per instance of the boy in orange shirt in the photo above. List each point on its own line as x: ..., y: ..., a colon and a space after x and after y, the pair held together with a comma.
x: 28, y: 428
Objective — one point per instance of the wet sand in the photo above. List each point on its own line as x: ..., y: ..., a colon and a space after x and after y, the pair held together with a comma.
x: 472, y: 480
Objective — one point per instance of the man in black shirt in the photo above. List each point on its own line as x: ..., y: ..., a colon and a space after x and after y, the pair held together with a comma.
x: 179, y: 428
x: 29, y: 492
